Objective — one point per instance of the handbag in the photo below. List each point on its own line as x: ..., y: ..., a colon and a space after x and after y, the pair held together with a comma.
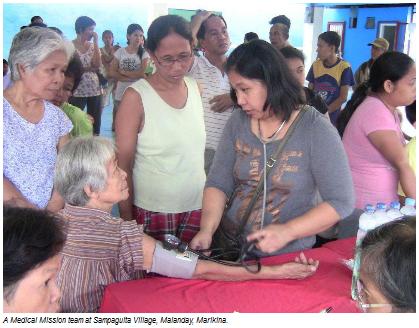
x: 229, y: 239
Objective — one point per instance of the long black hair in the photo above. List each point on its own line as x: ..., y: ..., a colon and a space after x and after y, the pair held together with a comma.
x: 391, y: 66
x: 131, y: 29
x: 259, y: 60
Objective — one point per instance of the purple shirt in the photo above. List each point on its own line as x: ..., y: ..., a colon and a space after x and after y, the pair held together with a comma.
x: 30, y: 151
x: 375, y: 179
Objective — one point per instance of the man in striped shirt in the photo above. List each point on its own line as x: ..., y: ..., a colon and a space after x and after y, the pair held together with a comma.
x: 211, y: 32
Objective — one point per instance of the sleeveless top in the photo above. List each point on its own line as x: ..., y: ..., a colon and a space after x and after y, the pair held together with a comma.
x: 89, y: 84
x: 168, y: 172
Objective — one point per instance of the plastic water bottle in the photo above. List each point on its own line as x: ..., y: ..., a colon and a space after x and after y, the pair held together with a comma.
x: 380, y: 214
x: 394, y: 212
x: 409, y: 207
x: 367, y: 221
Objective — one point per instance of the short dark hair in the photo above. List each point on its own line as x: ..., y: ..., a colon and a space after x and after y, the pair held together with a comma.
x: 82, y: 23
x: 107, y: 32
x: 202, y: 29
x: 331, y: 38
x: 411, y: 112
x: 5, y: 61
x: 291, y: 52
x: 37, y: 25
x: 388, y: 257
x: 30, y: 237
x: 74, y: 70
x: 259, y: 60
x: 249, y: 36
x: 281, y: 19
x: 34, y: 18
x: 163, y: 26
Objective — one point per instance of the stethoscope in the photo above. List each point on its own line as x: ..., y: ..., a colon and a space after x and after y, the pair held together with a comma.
x: 172, y: 242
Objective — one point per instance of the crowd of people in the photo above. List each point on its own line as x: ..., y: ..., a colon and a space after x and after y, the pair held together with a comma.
x: 207, y: 147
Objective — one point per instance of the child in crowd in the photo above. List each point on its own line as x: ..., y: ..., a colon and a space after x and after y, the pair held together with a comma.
x: 330, y: 76
x: 82, y: 122
x: 295, y: 62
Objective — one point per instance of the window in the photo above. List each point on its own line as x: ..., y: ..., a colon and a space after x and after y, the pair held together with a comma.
x: 389, y: 31
x: 339, y: 28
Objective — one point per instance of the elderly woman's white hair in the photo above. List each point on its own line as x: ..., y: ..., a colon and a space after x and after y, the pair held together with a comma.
x: 82, y: 162
x: 32, y: 45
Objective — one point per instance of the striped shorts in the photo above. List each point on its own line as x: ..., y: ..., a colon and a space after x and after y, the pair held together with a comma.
x: 156, y: 224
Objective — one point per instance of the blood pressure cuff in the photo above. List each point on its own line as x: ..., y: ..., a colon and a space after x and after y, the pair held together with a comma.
x: 172, y: 263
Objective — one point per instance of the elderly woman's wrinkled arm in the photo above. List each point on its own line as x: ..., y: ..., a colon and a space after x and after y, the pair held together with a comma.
x: 13, y: 197
x: 207, y: 270
x: 56, y: 202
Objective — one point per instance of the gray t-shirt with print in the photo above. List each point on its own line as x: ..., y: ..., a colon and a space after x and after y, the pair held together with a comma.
x: 313, y: 161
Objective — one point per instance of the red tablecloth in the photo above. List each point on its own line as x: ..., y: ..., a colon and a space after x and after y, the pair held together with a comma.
x: 329, y: 286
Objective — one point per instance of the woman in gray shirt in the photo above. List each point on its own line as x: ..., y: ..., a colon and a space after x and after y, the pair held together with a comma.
x: 286, y: 217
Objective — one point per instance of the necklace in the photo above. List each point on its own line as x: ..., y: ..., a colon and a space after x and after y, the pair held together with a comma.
x: 272, y: 136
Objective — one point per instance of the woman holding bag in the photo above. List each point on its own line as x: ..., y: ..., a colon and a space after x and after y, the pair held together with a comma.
x: 285, y: 217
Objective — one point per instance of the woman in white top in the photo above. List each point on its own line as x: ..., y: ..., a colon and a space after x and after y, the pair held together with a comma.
x: 129, y: 63
x: 160, y: 136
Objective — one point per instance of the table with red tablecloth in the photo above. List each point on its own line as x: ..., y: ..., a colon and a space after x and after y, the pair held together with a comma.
x: 329, y: 286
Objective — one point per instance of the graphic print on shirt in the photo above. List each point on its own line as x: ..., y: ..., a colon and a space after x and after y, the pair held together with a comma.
x: 275, y: 181
x: 129, y: 64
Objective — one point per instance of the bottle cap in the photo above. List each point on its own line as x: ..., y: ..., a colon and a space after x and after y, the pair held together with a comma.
x: 395, y: 205
x: 409, y: 202
x: 369, y: 208
x: 381, y: 206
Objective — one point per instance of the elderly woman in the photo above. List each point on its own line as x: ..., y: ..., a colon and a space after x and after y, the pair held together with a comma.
x: 31, y: 242
x: 33, y: 128
x: 388, y: 268
x: 100, y: 250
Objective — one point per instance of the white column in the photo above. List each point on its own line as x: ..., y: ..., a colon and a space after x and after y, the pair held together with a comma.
x: 311, y: 32
x: 157, y: 9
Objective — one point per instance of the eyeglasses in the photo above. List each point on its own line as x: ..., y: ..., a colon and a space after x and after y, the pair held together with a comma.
x: 169, y: 61
x: 362, y: 298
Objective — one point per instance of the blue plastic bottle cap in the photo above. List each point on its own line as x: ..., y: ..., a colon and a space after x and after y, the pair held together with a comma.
x: 381, y: 206
x: 369, y: 208
x: 395, y: 205
x: 409, y: 202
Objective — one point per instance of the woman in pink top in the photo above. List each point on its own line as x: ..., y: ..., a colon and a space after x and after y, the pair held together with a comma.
x: 371, y: 131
